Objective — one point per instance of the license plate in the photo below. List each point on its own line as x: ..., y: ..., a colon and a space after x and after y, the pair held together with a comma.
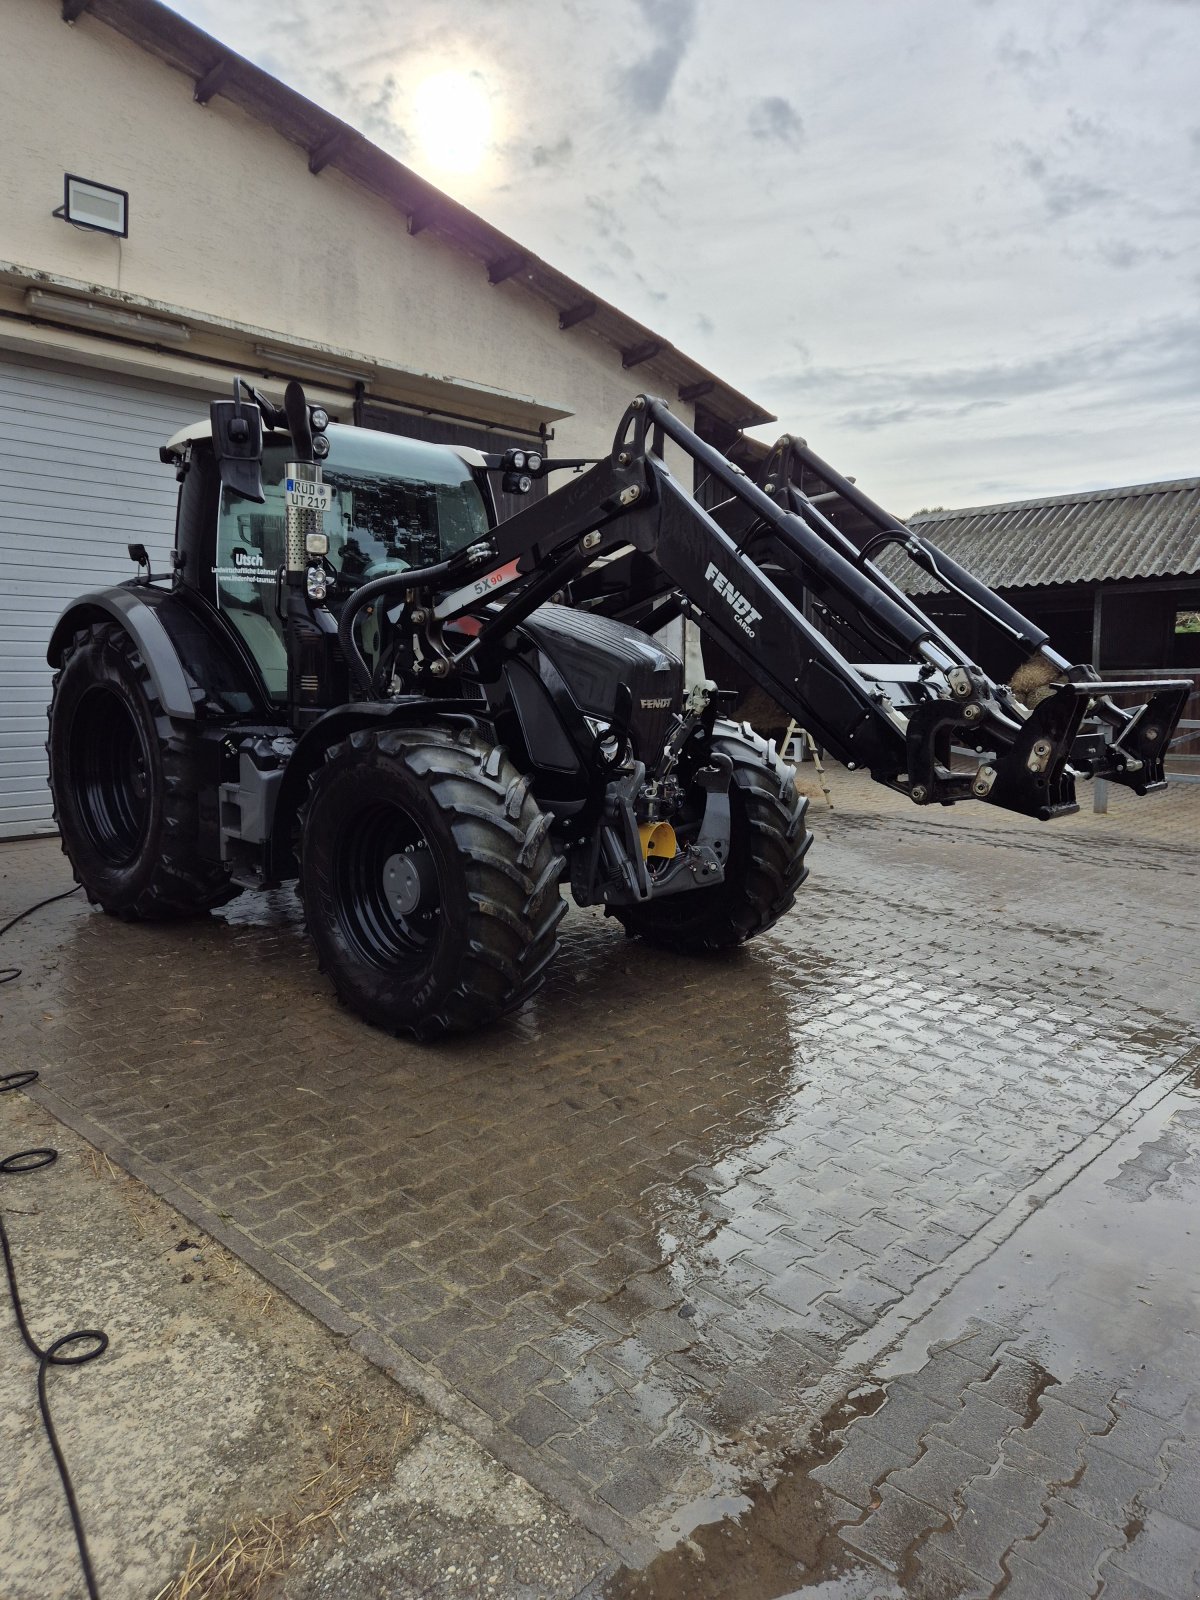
x: 307, y: 496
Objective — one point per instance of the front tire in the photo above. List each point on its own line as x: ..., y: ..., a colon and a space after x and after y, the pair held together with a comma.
x: 430, y: 885
x: 767, y: 846
x: 126, y: 786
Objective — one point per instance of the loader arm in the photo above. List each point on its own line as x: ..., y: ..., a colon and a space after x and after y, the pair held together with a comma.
x: 901, y: 717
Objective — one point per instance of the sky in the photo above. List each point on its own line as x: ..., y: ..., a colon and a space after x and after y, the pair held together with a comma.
x: 955, y: 244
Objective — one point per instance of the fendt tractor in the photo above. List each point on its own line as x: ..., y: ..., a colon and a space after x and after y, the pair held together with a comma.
x: 356, y: 676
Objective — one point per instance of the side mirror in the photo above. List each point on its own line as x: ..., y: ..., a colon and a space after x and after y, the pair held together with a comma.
x: 237, y: 436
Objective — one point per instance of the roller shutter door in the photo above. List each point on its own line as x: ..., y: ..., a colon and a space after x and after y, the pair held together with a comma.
x: 80, y: 479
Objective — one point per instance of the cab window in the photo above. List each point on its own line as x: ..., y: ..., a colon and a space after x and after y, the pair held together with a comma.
x: 397, y: 503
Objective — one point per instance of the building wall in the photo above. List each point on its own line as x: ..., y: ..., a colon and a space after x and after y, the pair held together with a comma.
x: 227, y: 221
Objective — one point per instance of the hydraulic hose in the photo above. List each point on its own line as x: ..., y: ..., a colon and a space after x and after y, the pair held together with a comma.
x: 411, y: 579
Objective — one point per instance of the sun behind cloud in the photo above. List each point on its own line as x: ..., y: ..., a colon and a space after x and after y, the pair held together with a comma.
x: 453, y: 120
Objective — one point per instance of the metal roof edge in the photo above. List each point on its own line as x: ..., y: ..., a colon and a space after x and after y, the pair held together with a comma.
x: 216, y: 69
x: 1081, y: 497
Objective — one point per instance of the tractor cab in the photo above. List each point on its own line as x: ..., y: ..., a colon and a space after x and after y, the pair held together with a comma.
x: 392, y: 503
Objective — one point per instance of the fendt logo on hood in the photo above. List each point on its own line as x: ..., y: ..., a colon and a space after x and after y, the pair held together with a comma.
x: 743, y: 611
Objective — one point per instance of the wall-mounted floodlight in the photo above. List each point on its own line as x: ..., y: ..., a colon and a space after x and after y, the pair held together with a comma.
x: 94, y: 205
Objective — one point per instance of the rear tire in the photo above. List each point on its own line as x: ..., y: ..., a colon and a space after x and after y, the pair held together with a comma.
x: 430, y: 885
x: 126, y: 787
x: 767, y: 845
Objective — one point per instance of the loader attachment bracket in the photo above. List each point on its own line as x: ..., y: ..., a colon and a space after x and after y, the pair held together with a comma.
x: 1035, y: 775
x: 1137, y: 754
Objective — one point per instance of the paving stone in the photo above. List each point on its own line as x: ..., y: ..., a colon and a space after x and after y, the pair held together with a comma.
x: 978, y: 1427
x: 797, y: 1288
x: 1138, y: 1437
x: 1058, y: 1436
x: 1118, y: 1585
x: 507, y: 1390
x: 1014, y: 1384
x: 990, y: 1524
x: 862, y: 1463
x: 937, y: 1475
x: 539, y: 1420
x: 1028, y: 1582
x: 630, y: 1491
x: 1165, y: 1555
x: 981, y: 1346
x: 875, y: 1234
x: 890, y: 1531
x: 901, y: 1268
x: 1086, y: 1393
x: 944, y: 1377
x: 936, y: 1577
x: 1179, y: 1495
x: 1072, y: 1544
x: 1163, y: 1394
x: 864, y: 1298
x: 904, y: 1418
x: 1110, y: 1487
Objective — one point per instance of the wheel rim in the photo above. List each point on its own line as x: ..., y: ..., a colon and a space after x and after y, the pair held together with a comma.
x: 110, y: 774
x: 388, y: 891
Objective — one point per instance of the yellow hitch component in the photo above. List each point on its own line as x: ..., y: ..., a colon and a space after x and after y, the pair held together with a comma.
x: 658, y: 840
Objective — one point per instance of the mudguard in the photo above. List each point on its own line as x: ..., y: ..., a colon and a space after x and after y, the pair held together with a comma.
x: 193, y: 668
x: 340, y: 723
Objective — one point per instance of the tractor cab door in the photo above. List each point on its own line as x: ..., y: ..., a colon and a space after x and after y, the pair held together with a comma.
x: 397, y: 503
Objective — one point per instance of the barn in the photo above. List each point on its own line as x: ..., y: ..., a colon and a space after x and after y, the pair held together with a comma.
x: 184, y: 217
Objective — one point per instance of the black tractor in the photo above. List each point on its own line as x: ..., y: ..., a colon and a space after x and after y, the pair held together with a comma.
x: 354, y: 676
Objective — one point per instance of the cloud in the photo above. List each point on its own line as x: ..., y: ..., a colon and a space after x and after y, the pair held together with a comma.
x: 1023, y: 59
x: 973, y: 238
x: 1125, y: 253
x: 557, y: 154
x: 776, y: 118
x: 609, y: 225
x: 1159, y: 359
x: 1064, y: 194
x: 671, y: 24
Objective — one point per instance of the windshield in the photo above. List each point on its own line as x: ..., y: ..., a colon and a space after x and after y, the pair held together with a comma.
x: 397, y: 503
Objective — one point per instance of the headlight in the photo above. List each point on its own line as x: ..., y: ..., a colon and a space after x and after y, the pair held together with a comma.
x: 320, y: 446
x: 516, y: 459
x: 319, y: 418
x: 533, y: 461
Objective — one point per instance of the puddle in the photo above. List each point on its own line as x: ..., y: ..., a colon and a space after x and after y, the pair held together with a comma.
x: 1117, y: 1251
x: 778, y: 1542
x: 1100, y: 1282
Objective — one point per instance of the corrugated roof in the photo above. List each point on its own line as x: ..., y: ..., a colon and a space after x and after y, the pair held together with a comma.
x: 328, y: 142
x: 1149, y: 530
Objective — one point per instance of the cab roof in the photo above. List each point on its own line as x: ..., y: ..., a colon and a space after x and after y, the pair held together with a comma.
x: 364, y: 449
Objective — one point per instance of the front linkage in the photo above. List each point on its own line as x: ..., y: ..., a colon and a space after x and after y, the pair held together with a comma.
x: 1049, y: 749
x: 744, y: 572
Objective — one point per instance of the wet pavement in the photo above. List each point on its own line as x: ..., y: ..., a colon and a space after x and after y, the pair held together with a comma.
x: 862, y: 1262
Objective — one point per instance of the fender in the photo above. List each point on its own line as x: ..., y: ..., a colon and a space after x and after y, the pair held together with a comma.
x: 193, y: 667
x: 339, y: 724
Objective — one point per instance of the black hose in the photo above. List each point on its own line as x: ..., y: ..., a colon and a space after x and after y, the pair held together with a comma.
x: 59, y: 1352
x: 7, y: 974
x: 362, y: 597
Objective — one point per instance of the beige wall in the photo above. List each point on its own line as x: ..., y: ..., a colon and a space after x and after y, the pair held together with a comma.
x: 227, y: 222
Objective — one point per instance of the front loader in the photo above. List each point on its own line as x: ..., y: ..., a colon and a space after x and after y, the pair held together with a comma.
x: 356, y: 677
